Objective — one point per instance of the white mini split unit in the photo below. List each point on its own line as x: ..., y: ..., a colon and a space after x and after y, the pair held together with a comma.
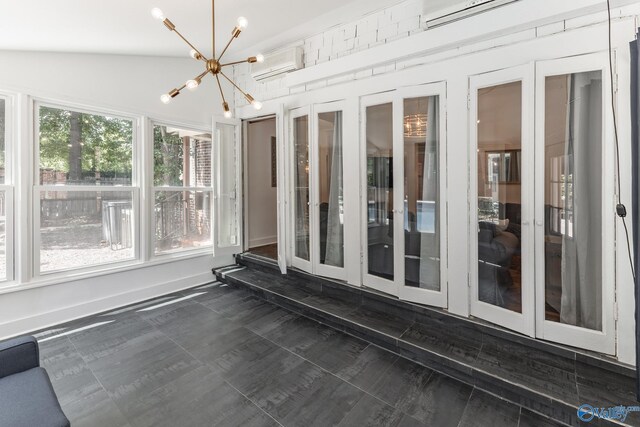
x: 460, y: 11
x: 277, y: 63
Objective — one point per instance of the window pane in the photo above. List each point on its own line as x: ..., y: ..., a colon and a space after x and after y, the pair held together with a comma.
x: 331, y: 209
x: 573, y: 199
x: 85, y: 228
x: 182, y: 220
x: 422, y: 193
x: 301, y: 147
x: 182, y: 158
x: 84, y: 149
x: 3, y: 131
x: 227, y: 200
x: 499, y: 201
x: 380, y: 190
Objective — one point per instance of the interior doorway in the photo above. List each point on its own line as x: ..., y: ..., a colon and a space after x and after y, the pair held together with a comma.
x: 260, y: 188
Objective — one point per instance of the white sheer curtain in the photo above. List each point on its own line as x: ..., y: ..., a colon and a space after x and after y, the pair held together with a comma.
x: 581, y: 303
x: 430, y: 241
x: 334, y: 253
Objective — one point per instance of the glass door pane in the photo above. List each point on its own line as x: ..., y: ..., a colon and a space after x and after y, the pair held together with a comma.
x: 573, y: 199
x: 421, y: 132
x: 499, y: 196
x: 301, y: 182
x: 330, y: 189
x: 379, y: 196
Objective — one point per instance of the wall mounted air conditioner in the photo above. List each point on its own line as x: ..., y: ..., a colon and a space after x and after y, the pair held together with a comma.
x: 459, y: 11
x: 278, y: 63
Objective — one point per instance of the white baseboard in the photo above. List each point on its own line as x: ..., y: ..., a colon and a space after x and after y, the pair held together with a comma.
x: 261, y: 241
x: 45, y: 320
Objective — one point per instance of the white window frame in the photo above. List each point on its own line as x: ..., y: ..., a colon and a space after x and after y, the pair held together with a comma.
x: 178, y: 252
x: 36, y: 189
x: 9, y: 186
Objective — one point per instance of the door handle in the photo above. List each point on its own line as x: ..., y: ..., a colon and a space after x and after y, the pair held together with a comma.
x: 539, y: 223
x: 525, y: 222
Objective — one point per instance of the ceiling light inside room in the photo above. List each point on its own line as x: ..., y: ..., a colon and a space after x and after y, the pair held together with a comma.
x: 415, y: 125
x: 213, y: 65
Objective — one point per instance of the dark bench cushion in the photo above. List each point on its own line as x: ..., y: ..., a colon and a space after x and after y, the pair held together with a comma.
x: 27, y: 399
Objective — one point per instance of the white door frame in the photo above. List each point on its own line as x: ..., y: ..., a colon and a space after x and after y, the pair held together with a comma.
x: 370, y: 280
x: 600, y: 341
x: 521, y: 322
x: 318, y: 268
x: 424, y: 296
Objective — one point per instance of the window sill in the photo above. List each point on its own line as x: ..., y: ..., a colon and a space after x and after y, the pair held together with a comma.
x: 59, y: 278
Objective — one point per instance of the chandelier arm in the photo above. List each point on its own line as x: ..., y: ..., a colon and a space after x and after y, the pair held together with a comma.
x: 202, y: 57
x: 213, y: 29
x: 220, y: 87
x: 234, y: 63
x: 201, y: 75
x: 234, y: 85
x: 226, y: 47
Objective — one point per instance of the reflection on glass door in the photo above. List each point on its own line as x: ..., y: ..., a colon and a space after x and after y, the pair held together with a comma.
x: 573, y: 199
x: 575, y: 225
x: 330, y: 206
x: 301, y: 187
x: 379, y: 196
x: 499, y: 137
x: 421, y: 134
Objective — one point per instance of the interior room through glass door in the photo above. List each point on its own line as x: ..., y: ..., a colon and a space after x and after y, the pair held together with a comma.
x: 328, y: 191
x: 377, y: 183
x: 502, y: 252
x: 422, y: 273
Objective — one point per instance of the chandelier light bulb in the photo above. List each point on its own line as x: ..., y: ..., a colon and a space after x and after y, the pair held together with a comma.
x: 227, y: 111
x: 260, y: 58
x: 256, y: 104
x: 157, y: 13
x: 194, y: 54
x: 166, y: 98
x: 242, y: 22
x: 192, y: 84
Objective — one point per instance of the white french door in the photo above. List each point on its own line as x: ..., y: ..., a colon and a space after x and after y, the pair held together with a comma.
x: 404, y: 205
x: 327, y: 195
x: 227, y: 224
x: 302, y: 214
x: 575, y: 187
x: 380, y: 172
x: 501, y: 198
x: 318, y: 189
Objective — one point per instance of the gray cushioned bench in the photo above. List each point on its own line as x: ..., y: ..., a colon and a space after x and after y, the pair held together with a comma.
x: 27, y: 398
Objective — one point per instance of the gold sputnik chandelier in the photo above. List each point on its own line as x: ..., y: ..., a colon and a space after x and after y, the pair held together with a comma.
x: 214, y: 65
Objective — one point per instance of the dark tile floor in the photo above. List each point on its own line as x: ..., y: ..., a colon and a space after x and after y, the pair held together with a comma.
x: 216, y: 355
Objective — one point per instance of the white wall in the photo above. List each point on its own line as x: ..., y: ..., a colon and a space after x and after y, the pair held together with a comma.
x: 124, y: 83
x: 261, y: 199
x: 127, y: 84
x: 520, y: 35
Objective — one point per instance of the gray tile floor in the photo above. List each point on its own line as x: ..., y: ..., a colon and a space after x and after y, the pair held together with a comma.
x: 216, y: 355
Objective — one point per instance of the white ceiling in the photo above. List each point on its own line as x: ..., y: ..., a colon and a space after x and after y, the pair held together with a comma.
x: 126, y: 26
